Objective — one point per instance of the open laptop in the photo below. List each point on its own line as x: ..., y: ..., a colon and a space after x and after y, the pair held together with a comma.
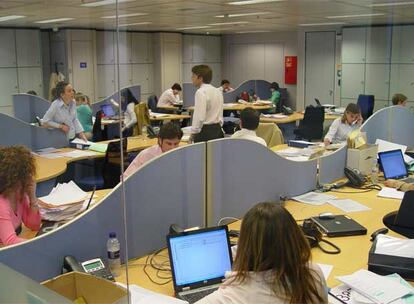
x: 393, y: 166
x: 199, y: 260
x: 340, y: 225
x: 108, y: 110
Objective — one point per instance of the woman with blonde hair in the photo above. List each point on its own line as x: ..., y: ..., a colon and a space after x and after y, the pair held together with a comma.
x: 272, y: 263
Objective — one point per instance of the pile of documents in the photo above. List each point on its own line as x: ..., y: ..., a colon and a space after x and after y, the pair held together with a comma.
x: 64, y: 202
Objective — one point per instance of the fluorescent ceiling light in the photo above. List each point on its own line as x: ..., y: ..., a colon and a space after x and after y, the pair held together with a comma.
x: 355, y: 16
x: 391, y: 4
x: 138, y: 23
x: 54, y: 20
x: 321, y: 24
x: 11, y: 17
x: 193, y: 28
x: 229, y: 23
x: 124, y: 16
x: 242, y: 15
x: 247, y: 2
x: 249, y: 32
x: 103, y: 2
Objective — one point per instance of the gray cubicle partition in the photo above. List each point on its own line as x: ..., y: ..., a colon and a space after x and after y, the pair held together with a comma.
x: 331, y: 166
x: 402, y: 126
x: 27, y: 107
x: 188, y: 94
x: 135, y: 90
x: 17, y: 132
x: 248, y: 86
x: 377, y: 126
x: 242, y: 173
x: 169, y: 189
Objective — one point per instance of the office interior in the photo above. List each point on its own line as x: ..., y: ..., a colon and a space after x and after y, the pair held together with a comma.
x: 344, y: 48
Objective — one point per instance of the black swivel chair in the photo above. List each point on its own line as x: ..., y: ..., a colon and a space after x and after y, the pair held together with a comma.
x: 366, y: 104
x: 152, y: 103
x: 98, y: 134
x: 311, y: 127
x: 111, y: 170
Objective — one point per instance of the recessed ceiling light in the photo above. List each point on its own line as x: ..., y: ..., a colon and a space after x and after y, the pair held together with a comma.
x: 138, y: 23
x: 390, y: 4
x: 321, y: 24
x: 193, y: 27
x: 355, y: 16
x: 11, y: 17
x: 103, y: 2
x: 242, y: 15
x: 124, y: 16
x: 247, y: 2
x: 55, y: 20
x: 230, y: 23
x: 249, y: 32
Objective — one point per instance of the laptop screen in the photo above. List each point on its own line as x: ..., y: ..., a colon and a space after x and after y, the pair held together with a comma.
x: 108, y: 110
x: 199, y: 256
x: 392, y: 163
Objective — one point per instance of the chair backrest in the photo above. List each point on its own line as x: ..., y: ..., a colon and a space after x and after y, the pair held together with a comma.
x: 152, y: 103
x: 97, y: 133
x: 143, y: 117
x: 366, y: 105
x: 271, y: 133
x: 283, y: 101
x: 112, y: 163
x: 312, y: 124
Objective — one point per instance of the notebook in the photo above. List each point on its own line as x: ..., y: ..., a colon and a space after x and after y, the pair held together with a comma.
x: 340, y: 225
x: 108, y: 110
x: 199, y: 260
x: 393, y: 166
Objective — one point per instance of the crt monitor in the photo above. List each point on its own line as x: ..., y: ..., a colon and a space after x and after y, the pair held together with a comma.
x: 108, y: 110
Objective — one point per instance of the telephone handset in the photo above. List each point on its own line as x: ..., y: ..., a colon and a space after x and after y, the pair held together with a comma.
x: 287, y: 111
x: 355, y: 177
x: 96, y: 267
x: 151, y: 132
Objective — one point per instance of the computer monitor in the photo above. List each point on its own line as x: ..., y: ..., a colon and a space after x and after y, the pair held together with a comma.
x: 108, y: 110
x: 392, y: 163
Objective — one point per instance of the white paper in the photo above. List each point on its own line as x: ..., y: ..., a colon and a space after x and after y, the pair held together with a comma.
x: 62, y: 194
x: 140, y: 295
x: 46, y: 150
x: 186, y: 130
x: 78, y: 153
x: 158, y: 114
x: 326, y: 269
x: 313, y: 198
x: 389, y: 245
x: 78, y: 141
x: 375, y: 287
x: 390, y: 193
x: 290, y: 152
x: 327, y: 105
x: 384, y: 145
x: 298, y: 158
x: 51, y: 155
x: 348, y: 205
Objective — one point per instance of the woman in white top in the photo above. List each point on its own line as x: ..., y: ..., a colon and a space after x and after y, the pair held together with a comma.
x: 272, y: 263
x: 170, y: 97
x: 130, y: 118
x: 341, y: 127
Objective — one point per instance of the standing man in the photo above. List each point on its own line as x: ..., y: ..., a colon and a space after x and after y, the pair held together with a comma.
x: 208, y: 108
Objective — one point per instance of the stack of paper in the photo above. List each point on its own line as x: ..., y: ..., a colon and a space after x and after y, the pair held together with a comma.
x: 390, y: 193
x: 63, y: 202
x: 140, y: 295
x: 313, y: 198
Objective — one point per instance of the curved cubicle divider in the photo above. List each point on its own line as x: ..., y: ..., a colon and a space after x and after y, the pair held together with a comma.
x: 402, y: 126
x: 170, y: 189
x: 27, y: 107
x: 242, y: 173
x: 17, y: 132
x: 248, y: 86
x: 188, y: 94
x: 377, y: 126
x: 135, y: 90
x: 331, y: 166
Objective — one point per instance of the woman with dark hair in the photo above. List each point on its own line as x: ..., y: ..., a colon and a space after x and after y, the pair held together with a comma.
x: 62, y: 112
x: 18, y: 202
x: 275, y: 98
x: 130, y: 118
x: 342, y: 126
x: 272, y: 263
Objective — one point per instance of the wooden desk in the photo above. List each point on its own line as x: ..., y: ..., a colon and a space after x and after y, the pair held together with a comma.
x: 169, y: 117
x: 171, y: 108
x: 296, y: 116
x: 354, y: 249
x: 239, y: 107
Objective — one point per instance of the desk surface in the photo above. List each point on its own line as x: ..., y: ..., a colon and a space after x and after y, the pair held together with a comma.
x: 354, y: 249
x: 169, y: 117
x: 239, y: 107
x: 296, y: 116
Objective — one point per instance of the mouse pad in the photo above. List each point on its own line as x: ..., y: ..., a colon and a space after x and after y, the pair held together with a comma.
x: 341, y: 225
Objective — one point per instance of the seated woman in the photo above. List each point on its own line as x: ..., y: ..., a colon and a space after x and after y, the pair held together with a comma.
x: 272, y: 263
x: 84, y: 113
x: 130, y: 118
x: 18, y: 202
x: 275, y: 98
x: 342, y: 126
x: 62, y: 112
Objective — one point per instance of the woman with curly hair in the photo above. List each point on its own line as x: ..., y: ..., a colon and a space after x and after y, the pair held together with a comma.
x: 272, y: 263
x: 18, y: 202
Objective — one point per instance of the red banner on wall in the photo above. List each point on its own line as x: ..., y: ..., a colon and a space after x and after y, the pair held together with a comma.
x: 291, y: 65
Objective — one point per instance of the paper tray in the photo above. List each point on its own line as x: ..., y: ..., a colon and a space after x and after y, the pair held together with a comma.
x: 387, y: 264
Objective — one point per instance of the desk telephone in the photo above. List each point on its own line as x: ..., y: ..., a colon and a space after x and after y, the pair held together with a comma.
x: 96, y: 267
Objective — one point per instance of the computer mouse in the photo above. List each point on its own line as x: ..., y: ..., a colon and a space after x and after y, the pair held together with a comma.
x: 326, y: 216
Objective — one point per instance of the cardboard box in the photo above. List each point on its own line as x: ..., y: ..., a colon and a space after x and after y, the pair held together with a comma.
x: 73, y: 285
x: 362, y: 158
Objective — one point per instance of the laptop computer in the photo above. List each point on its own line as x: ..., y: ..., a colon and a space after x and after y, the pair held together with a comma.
x: 108, y: 110
x: 393, y: 166
x: 340, y: 225
x: 199, y: 260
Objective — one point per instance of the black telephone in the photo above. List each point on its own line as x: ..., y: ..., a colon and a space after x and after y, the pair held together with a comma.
x: 355, y: 177
x: 315, y: 237
x: 286, y: 110
x: 151, y: 132
x: 96, y: 267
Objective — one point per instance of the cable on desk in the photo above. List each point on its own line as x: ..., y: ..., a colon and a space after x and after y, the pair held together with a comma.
x: 149, y: 261
x: 364, y: 189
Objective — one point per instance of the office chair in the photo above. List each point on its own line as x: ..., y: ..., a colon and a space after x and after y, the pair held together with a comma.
x: 98, y: 134
x: 400, y: 221
x: 152, y: 103
x: 284, y: 96
x: 366, y: 104
x: 311, y: 127
x: 143, y: 118
x: 271, y: 134
x: 111, y: 170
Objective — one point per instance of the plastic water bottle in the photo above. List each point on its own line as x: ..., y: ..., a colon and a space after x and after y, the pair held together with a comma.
x: 374, y: 172
x: 114, y: 259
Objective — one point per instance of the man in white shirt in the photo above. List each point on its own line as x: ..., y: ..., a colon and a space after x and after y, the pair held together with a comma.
x: 170, y: 97
x: 249, y: 121
x: 208, y: 108
x: 225, y: 86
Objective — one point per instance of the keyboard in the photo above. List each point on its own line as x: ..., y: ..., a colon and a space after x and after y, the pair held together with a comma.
x: 196, y: 295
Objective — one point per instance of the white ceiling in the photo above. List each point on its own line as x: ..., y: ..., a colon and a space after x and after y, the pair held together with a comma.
x: 169, y: 15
